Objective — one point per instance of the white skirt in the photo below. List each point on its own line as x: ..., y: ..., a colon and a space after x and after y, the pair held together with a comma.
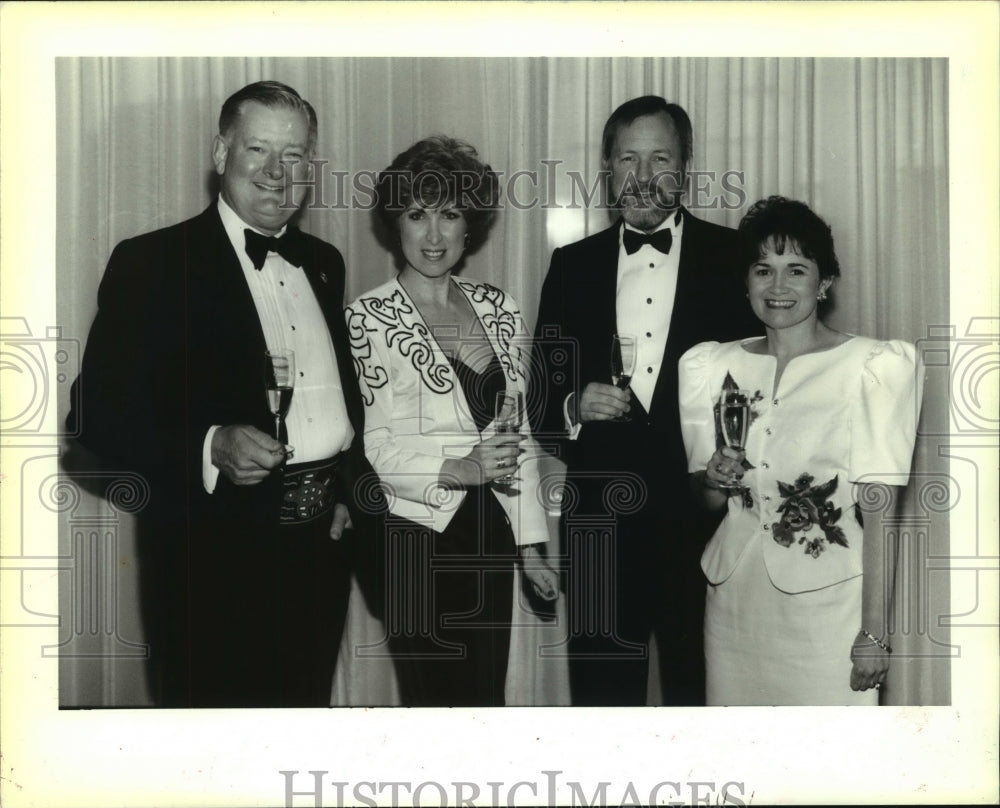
x: 768, y: 647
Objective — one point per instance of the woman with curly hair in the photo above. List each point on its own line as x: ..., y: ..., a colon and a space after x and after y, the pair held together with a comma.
x: 804, y: 437
x: 432, y: 351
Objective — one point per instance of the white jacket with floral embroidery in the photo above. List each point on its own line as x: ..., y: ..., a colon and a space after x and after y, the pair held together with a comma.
x: 416, y: 414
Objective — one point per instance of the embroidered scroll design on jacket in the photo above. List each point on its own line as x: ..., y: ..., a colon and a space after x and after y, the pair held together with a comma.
x: 500, y: 323
x: 395, y: 318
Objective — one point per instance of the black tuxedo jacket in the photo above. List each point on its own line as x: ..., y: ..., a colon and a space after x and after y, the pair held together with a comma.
x: 576, y: 320
x: 176, y: 347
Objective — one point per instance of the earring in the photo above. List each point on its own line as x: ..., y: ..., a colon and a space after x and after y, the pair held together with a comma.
x: 466, y: 239
x: 822, y: 295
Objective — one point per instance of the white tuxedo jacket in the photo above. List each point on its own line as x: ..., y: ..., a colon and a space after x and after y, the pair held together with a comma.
x: 417, y: 415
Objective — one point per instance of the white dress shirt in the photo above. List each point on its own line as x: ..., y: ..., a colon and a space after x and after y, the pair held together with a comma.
x: 644, y: 300
x: 644, y: 303
x: 291, y: 318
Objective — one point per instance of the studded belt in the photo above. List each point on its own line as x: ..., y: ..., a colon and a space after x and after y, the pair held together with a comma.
x: 309, y: 490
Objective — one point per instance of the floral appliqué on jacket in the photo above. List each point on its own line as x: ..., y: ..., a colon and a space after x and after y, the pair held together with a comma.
x: 806, y: 505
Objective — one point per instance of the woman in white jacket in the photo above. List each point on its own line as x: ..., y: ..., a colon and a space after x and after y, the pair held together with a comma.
x: 801, y: 570
x: 431, y: 351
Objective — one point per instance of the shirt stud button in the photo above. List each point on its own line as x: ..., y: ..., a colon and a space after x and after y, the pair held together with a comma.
x: 649, y: 300
x: 767, y: 431
x: 766, y: 465
x: 649, y: 370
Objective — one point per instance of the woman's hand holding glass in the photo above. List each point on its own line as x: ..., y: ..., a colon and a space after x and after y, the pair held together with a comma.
x: 489, y: 460
x: 725, y: 470
x: 509, y: 419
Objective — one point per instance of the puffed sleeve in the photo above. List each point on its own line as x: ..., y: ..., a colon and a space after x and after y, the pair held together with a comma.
x: 696, y: 404
x: 404, y: 472
x: 884, y: 421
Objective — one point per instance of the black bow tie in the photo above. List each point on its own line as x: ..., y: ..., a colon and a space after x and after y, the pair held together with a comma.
x: 660, y: 240
x: 288, y: 247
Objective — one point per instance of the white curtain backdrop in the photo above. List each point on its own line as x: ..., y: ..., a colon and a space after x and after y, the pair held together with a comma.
x: 863, y: 141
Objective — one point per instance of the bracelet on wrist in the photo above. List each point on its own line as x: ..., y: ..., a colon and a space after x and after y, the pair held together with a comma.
x: 873, y: 639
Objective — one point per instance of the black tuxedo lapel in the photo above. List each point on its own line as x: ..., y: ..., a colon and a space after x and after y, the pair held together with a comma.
x: 223, y: 265
x: 598, y: 303
x: 227, y: 340
x: 324, y: 288
x: 687, y: 304
x: 606, y: 262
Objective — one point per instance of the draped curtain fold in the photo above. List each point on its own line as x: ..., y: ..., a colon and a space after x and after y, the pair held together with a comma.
x: 863, y: 141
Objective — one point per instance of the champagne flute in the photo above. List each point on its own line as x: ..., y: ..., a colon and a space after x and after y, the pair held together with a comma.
x: 509, y: 417
x: 734, y: 423
x: 279, y: 382
x: 622, y: 364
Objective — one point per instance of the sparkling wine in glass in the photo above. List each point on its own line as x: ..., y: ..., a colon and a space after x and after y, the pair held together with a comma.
x: 734, y: 422
x: 279, y: 382
x: 509, y: 418
x: 622, y: 363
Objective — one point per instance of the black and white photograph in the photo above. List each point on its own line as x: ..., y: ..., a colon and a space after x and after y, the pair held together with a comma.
x: 358, y: 392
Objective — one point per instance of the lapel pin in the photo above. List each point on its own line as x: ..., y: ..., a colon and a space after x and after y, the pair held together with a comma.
x: 322, y: 276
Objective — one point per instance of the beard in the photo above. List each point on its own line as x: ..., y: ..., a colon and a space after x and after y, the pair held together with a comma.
x: 642, y: 215
x: 646, y: 207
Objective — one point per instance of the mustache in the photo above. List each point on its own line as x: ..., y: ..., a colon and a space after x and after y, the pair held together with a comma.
x: 643, y: 193
x: 651, y: 189
x: 652, y: 197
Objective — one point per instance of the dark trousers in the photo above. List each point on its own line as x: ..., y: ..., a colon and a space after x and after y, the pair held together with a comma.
x: 633, y: 541
x: 247, y: 617
x: 449, y: 606
x: 620, y: 590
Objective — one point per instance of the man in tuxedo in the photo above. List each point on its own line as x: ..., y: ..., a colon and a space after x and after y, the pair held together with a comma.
x: 246, y: 541
x: 632, y: 538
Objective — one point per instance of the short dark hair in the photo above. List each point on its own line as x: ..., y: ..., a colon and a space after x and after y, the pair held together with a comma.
x: 271, y: 94
x: 780, y: 221
x: 434, y: 171
x: 639, y: 108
